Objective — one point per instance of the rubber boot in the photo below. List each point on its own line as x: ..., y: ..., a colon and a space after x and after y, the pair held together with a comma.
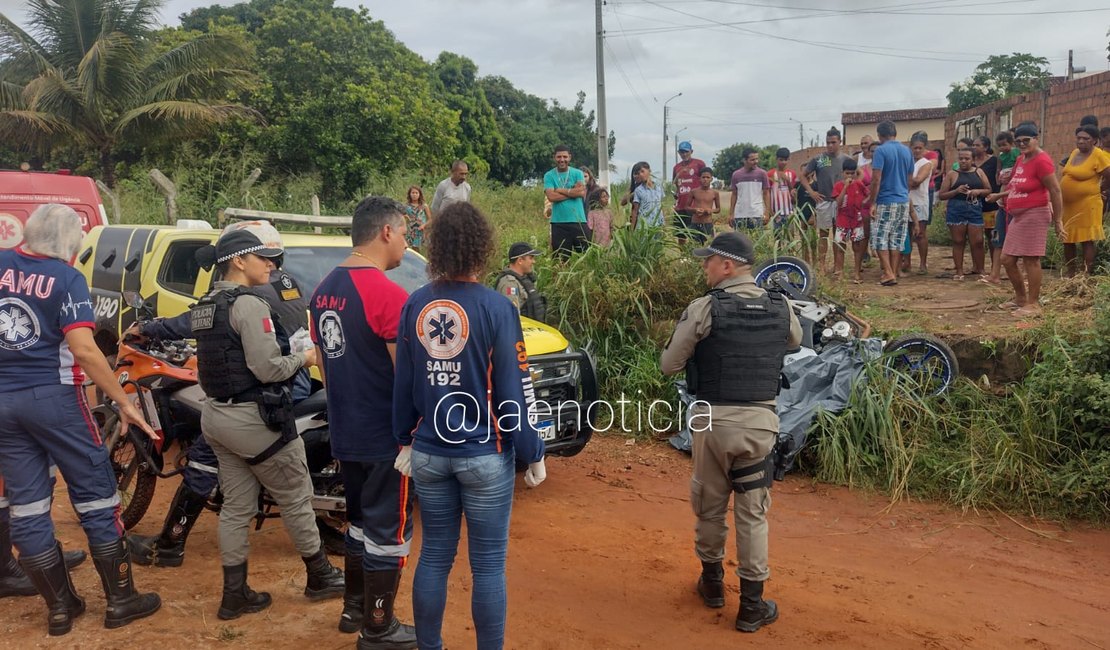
x: 48, y: 572
x: 350, y: 621
x: 168, y: 548
x: 113, y: 562
x: 238, y: 598
x: 380, y: 629
x: 324, y: 580
x: 754, y: 611
x: 711, y: 584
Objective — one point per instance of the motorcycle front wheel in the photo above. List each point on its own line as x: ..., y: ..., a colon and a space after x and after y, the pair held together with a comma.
x: 923, y: 359
x: 792, y: 270
x: 134, y: 482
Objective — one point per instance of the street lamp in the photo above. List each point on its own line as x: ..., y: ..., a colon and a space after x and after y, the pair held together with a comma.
x: 676, y: 141
x: 663, y: 172
x: 801, y: 133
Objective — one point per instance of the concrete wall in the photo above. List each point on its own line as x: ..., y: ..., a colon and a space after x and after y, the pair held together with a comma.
x: 1056, y: 111
x: 853, y: 132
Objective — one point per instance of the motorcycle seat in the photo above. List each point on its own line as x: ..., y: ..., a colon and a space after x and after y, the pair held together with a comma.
x: 315, y: 403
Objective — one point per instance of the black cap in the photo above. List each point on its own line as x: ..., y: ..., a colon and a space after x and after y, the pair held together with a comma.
x: 731, y: 245
x: 1026, y: 130
x: 520, y: 249
x: 240, y: 242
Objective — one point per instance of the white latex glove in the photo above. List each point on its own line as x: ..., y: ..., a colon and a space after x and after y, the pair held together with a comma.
x: 535, y: 474
x: 403, y: 463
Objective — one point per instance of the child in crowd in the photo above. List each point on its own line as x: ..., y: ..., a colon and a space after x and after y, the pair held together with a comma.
x: 600, y: 218
x: 849, y: 195
x: 783, y: 189
x: 1007, y: 158
x: 705, y: 202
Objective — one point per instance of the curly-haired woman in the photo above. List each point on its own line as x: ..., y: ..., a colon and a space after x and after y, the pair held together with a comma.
x: 461, y: 404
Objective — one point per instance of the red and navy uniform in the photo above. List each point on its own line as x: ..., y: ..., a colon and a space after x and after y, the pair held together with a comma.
x: 354, y: 312
x: 463, y: 384
x: 44, y: 413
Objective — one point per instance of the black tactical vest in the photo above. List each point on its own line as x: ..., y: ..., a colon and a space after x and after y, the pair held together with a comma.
x: 535, y: 304
x: 741, y: 359
x: 221, y: 361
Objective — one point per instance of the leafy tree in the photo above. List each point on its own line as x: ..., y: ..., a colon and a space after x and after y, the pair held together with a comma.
x: 731, y: 158
x: 532, y: 128
x: 1000, y: 76
x: 86, y: 75
x: 480, y: 137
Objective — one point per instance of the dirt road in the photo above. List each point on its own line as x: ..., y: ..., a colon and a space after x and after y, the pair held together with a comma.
x: 602, y: 557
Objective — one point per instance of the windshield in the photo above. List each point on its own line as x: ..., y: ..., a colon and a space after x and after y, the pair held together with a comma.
x: 309, y: 265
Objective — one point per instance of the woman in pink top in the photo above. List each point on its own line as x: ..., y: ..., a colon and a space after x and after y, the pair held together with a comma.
x: 1032, y: 200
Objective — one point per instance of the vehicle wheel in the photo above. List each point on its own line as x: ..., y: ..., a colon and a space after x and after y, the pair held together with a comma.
x: 133, y: 480
x: 792, y: 269
x: 332, y: 536
x: 927, y: 360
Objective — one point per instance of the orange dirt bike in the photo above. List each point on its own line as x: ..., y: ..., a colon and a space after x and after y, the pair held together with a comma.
x: 161, y: 377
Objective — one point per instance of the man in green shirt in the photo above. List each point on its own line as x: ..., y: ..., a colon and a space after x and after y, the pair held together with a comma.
x: 564, y: 186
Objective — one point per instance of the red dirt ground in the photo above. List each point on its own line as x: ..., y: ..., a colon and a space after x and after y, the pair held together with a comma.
x: 602, y: 557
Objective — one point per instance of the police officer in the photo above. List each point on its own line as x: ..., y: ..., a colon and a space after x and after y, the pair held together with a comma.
x: 731, y: 343
x: 288, y: 303
x: 46, y: 349
x: 248, y: 417
x: 517, y: 282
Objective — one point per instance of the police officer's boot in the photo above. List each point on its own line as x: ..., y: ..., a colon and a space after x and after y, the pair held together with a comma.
x: 168, y: 548
x: 350, y: 620
x: 380, y: 628
x: 754, y: 611
x: 324, y: 580
x: 238, y: 598
x: 48, y: 572
x: 711, y: 584
x: 113, y: 562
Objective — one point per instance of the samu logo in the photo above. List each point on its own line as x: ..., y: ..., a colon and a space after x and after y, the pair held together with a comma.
x: 19, y: 326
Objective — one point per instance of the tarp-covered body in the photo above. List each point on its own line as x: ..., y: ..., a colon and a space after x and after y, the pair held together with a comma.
x: 811, y: 380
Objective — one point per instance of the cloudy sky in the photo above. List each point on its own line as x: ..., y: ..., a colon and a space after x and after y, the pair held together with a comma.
x: 747, y: 70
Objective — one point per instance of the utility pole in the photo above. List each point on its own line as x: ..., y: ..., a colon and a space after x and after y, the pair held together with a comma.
x: 663, y: 172
x: 801, y: 133
x: 602, y: 129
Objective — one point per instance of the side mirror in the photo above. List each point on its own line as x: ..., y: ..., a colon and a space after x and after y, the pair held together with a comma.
x: 133, y: 300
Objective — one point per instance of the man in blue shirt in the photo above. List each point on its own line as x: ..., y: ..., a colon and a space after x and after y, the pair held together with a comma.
x: 892, y: 169
x: 564, y: 186
x: 355, y: 312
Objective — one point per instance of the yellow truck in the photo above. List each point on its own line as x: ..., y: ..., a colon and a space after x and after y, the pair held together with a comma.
x: 158, y: 263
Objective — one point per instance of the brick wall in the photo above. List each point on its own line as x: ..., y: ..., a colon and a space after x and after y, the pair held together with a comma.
x: 1056, y: 111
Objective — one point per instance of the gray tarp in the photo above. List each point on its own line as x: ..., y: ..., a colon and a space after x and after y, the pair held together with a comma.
x: 822, y: 381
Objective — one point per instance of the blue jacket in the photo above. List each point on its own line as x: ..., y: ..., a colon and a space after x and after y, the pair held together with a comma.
x: 463, y: 387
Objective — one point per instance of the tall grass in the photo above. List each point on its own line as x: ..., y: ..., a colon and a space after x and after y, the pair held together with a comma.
x: 1042, y: 448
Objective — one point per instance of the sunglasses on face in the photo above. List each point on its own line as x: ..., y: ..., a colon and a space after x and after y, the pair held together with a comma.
x: 1023, y: 141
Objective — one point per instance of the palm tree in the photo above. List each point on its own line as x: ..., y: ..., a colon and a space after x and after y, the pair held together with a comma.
x: 87, y: 73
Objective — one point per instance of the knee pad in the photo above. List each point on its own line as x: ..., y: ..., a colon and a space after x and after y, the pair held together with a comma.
x: 752, y: 477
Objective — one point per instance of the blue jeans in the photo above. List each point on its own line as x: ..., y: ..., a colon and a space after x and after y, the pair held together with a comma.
x: 481, y: 488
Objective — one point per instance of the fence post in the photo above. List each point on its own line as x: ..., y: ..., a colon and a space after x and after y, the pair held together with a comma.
x: 169, y: 190
x: 112, y: 198
x: 316, y: 213
x: 245, y: 186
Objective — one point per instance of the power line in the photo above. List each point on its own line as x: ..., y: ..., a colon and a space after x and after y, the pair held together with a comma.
x: 830, y: 46
x: 635, y: 60
x: 631, y: 88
